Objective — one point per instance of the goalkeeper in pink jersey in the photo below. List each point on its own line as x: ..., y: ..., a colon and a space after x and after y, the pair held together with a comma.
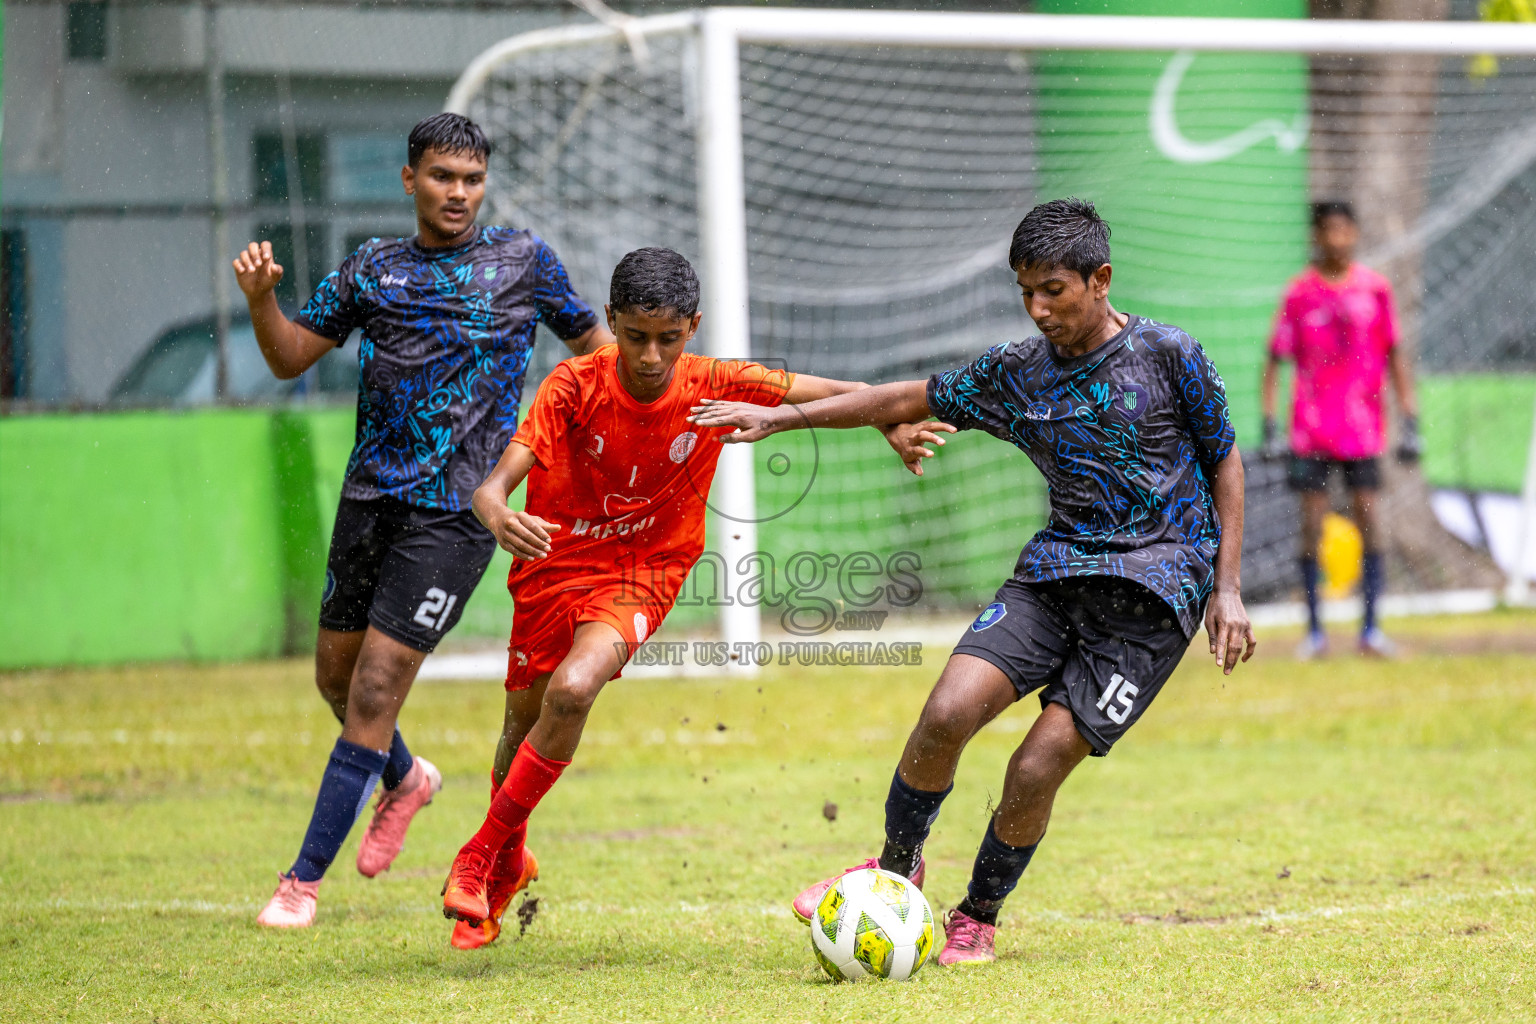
x: 1338, y: 326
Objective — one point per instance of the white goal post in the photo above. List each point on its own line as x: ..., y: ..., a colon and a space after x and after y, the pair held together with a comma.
x: 718, y: 33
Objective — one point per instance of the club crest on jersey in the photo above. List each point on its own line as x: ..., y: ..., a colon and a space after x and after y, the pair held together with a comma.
x: 682, y: 446
x: 642, y: 628
x: 1133, y: 400
x: 990, y: 616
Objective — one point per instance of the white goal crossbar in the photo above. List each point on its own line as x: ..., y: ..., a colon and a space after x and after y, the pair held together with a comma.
x: 720, y: 31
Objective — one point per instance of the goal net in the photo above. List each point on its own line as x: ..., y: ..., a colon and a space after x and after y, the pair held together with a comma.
x: 851, y: 180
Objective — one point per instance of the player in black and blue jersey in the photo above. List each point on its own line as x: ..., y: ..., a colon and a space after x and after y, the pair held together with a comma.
x: 1127, y: 420
x: 447, y: 319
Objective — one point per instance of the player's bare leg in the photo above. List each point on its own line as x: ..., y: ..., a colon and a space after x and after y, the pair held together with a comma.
x: 1036, y: 771
x: 573, y: 688
x: 1050, y: 751
x: 970, y: 693
x: 335, y: 660
x: 1314, y: 507
x: 522, y: 711
x: 596, y: 655
x: 381, y: 680
x: 1373, y: 641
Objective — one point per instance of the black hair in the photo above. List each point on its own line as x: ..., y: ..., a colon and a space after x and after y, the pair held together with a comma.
x: 1333, y: 207
x: 654, y: 279
x: 1061, y: 233
x: 448, y: 133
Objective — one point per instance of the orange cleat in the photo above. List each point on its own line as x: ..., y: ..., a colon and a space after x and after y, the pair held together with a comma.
x: 506, y: 881
x: 464, y: 893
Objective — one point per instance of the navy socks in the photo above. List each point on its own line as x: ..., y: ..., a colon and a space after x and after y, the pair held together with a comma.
x: 400, y: 763
x: 1309, y: 574
x: 997, y: 870
x: 909, y: 814
x: 349, y: 780
x: 1372, y: 577
x: 400, y: 759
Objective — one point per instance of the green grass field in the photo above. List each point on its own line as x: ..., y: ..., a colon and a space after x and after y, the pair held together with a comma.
x: 1346, y: 841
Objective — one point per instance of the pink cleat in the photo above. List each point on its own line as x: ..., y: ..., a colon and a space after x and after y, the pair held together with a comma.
x: 386, y: 832
x: 1376, y: 644
x: 805, y: 904
x: 967, y: 941
x: 292, y: 906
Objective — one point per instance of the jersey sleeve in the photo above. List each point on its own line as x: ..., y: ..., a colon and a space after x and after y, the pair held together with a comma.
x: 737, y: 380
x: 550, y: 414
x: 337, y: 308
x: 561, y: 309
x: 1202, y: 397
x: 971, y: 397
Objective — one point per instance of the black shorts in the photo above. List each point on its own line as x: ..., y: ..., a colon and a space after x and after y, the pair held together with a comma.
x: 404, y: 570
x: 1308, y: 474
x: 1100, y: 646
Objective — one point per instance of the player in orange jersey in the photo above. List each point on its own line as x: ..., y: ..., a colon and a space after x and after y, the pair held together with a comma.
x: 613, y: 522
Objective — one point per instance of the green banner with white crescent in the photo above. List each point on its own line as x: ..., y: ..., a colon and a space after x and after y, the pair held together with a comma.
x: 1198, y: 161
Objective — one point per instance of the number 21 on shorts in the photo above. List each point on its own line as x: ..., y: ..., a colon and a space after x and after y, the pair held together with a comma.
x: 433, y: 612
x: 1120, y: 691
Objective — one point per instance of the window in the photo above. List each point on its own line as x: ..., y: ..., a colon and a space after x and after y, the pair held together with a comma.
x: 271, y: 168
x: 366, y: 166
x: 13, y: 325
x: 280, y: 234
x: 85, y: 30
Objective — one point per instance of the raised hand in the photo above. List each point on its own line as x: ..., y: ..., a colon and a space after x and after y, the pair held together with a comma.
x: 752, y: 422
x: 908, y: 439
x: 256, y: 270
x: 523, y: 534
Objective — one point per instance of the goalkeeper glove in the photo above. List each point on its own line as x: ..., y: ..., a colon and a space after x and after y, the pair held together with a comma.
x: 1274, y: 446
x: 1410, y: 446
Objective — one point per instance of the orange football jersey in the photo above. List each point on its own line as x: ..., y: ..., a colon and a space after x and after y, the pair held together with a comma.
x: 626, y: 480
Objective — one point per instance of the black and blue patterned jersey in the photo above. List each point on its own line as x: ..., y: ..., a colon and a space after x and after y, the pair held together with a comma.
x: 446, y: 338
x: 1127, y: 437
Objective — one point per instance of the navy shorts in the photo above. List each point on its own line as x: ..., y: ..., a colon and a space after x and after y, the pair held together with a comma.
x: 1308, y: 474
x: 1100, y: 646
x: 404, y: 570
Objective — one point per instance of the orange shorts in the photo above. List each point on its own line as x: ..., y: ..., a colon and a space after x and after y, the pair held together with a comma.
x: 544, y: 622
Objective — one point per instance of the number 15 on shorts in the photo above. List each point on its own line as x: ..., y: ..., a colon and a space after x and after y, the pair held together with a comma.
x: 1118, y: 695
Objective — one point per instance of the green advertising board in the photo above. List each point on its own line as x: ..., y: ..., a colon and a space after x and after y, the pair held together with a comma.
x: 1199, y: 164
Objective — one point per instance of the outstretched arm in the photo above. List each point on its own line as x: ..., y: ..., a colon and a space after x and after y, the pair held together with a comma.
x: 859, y: 406
x: 288, y: 348
x: 524, y: 534
x: 822, y: 402
x: 1226, y: 620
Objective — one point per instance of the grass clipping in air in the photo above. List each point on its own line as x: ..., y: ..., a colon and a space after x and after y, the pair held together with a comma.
x: 1346, y: 840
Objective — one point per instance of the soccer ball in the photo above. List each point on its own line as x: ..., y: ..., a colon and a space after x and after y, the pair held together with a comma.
x: 872, y: 924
